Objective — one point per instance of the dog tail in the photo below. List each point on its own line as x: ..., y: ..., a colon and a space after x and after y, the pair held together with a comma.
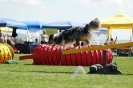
x: 95, y: 24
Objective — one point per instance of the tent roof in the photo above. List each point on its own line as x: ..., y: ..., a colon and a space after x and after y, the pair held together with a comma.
x: 62, y: 25
x: 33, y: 25
x: 118, y: 21
x: 5, y: 22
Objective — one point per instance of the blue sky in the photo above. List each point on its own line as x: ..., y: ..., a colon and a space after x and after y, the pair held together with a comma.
x: 66, y: 10
x: 60, y: 10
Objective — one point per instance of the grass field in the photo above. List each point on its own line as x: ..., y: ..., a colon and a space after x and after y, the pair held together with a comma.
x: 26, y: 75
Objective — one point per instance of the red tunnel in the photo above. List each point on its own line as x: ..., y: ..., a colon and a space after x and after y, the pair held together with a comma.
x: 76, y: 59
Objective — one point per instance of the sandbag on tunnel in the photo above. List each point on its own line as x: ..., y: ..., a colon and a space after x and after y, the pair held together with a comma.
x: 87, y: 58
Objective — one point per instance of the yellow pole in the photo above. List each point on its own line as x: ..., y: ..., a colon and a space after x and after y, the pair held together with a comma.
x: 109, y: 33
x: 97, y: 48
x: 132, y: 35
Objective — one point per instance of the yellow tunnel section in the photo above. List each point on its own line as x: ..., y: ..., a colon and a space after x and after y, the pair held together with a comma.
x: 6, y: 52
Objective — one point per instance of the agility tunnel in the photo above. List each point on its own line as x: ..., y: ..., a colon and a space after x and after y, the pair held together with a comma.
x: 86, y: 58
x: 6, y: 52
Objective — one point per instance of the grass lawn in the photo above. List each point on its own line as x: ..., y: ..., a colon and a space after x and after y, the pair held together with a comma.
x: 26, y: 75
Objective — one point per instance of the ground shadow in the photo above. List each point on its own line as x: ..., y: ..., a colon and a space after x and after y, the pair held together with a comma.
x: 43, y: 72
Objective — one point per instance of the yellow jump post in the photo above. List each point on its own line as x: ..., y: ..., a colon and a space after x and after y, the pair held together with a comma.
x: 104, y: 70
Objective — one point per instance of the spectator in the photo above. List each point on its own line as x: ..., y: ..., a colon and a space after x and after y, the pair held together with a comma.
x: 36, y: 42
x: 10, y: 42
x: 114, y: 50
x: 111, y: 41
x: 1, y: 38
x: 44, y: 37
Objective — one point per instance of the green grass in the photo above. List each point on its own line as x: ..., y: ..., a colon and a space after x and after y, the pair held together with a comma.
x: 26, y: 75
x: 51, y: 31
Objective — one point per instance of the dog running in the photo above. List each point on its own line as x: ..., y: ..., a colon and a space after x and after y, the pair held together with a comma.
x: 74, y: 35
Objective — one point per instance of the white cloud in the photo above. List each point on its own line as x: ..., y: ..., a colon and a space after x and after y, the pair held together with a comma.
x: 3, y: 0
x: 121, y: 5
x: 116, y: 2
x: 43, y: 7
x: 84, y: 2
x: 102, y: 2
x: 30, y: 2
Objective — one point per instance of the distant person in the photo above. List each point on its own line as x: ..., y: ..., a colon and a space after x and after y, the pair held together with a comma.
x: 20, y: 40
x: 111, y: 41
x: 14, y: 39
x: 10, y: 42
x: 36, y: 42
x: 1, y: 37
x: 44, y: 37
